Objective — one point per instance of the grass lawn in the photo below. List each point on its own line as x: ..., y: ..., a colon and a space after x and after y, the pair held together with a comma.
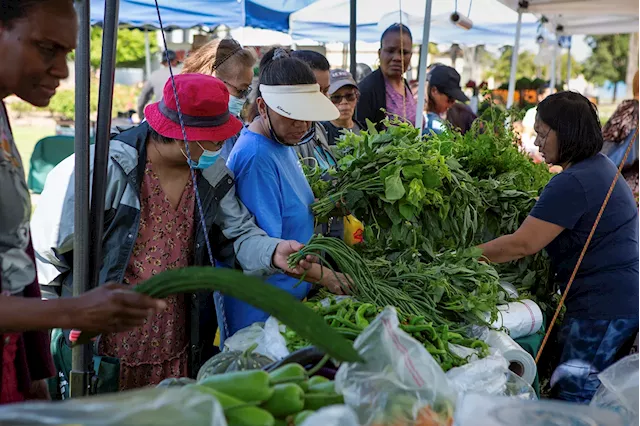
x: 26, y: 137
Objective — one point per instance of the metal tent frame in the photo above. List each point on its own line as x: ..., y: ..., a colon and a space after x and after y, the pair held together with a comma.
x: 89, y: 222
x: 572, y: 17
x: 90, y: 193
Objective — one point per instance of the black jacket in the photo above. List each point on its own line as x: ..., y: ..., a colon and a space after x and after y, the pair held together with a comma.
x: 373, y: 97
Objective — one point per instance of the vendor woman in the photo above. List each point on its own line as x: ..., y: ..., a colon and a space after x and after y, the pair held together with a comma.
x: 601, y: 320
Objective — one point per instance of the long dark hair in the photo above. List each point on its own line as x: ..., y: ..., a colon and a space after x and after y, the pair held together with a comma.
x: 575, y: 120
x: 278, y: 68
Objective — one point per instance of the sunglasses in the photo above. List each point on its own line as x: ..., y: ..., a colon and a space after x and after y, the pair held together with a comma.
x: 350, y: 97
x: 242, y: 94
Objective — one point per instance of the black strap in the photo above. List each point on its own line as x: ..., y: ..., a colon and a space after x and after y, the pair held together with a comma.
x: 192, y: 120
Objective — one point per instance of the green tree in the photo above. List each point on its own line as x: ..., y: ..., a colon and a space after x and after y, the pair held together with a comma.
x: 502, y: 65
x: 608, y: 60
x: 576, y: 67
x: 129, y: 47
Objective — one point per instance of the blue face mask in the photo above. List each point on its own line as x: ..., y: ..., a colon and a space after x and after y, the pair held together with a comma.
x: 206, y: 160
x: 235, y: 105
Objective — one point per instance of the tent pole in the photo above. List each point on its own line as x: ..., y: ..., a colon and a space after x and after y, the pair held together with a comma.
x: 569, y: 65
x: 552, y: 82
x: 422, y: 67
x: 80, y: 377
x: 352, y: 37
x: 103, y: 130
x: 147, y: 54
x: 514, y: 61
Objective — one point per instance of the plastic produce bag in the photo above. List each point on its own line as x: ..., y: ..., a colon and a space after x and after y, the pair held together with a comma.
x: 619, y: 389
x: 146, y: 407
x: 489, y: 376
x: 400, y: 382
x: 335, y: 415
x: 486, y: 410
x: 270, y: 342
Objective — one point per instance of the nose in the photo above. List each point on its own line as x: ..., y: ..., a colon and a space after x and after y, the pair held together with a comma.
x: 537, y: 142
x: 59, y: 68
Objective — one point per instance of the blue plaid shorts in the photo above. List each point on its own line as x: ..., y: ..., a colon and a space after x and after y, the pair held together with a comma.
x: 587, y: 348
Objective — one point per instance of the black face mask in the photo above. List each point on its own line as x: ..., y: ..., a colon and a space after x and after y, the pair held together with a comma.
x: 308, y: 137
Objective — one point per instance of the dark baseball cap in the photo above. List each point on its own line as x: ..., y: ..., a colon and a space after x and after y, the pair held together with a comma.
x: 169, y: 54
x: 447, y: 81
x: 339, y: 79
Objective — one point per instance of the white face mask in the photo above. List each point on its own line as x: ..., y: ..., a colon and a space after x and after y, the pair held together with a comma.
x: 236, y: 104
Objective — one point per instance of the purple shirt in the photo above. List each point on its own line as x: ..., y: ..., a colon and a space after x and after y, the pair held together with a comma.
x: 397, y: 105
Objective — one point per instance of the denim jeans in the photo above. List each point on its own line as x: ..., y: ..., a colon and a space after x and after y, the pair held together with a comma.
x: 588, y: 347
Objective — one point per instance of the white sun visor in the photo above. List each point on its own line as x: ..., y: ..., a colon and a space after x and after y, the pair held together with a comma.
x: 302, y: 102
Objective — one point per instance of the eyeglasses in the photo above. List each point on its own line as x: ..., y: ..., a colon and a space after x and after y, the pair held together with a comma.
x: 542, y: 139
x: 242, y: 94
x: 349, y: 97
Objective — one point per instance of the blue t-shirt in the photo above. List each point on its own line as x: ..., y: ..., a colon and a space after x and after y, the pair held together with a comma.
x: 606, y: 286
x: 433, y: 124
x: 226, y: 149
x: 270, y: 182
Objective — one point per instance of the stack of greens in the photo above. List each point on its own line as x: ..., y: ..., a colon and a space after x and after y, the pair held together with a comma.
x: 441, y: 194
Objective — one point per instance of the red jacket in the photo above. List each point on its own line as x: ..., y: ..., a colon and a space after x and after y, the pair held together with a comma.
x: 33, y: 358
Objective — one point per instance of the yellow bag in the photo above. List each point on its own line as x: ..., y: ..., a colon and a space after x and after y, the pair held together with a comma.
x: 353, y: 230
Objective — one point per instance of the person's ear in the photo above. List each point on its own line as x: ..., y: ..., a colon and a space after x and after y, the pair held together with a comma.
x: 262, y: 107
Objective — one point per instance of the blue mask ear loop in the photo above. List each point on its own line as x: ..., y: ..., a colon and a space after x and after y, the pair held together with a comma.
x: 308, y: 137
x: 217, y: 296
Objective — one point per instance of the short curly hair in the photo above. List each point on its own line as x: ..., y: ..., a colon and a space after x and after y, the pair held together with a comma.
x: 13, y: 10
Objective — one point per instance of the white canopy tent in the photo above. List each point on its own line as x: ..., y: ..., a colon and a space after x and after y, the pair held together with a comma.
x: 493, y: 22
x: 586, y: 16
x: 575, y: 17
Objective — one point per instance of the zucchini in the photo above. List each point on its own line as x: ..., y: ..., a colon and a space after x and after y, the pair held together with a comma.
x: 274, y: 301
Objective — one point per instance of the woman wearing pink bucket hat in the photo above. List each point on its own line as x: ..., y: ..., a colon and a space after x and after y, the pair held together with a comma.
x: 153, y: 224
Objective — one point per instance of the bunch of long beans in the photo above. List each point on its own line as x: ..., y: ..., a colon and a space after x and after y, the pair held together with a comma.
x: 447, y: 292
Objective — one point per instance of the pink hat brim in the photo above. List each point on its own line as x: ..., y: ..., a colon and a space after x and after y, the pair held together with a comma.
x: 169, y: 129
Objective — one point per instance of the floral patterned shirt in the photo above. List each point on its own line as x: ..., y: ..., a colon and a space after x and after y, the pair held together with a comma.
x: 157, y: 350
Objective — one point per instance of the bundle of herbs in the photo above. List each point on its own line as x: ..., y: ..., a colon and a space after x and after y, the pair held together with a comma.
x: 442, y: 193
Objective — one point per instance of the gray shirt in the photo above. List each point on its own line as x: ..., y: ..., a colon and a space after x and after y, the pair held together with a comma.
x: 153, y: 88
x: 17, y: 269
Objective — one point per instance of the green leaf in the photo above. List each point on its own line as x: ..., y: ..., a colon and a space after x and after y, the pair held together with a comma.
x: 431, y: 179
x: 393, y: 188
x: 529, y: 280
x: 407, y: 211
x: 412, y: 171
x: 252, y: 290
x: 417, y: 193
x: 393, y: 214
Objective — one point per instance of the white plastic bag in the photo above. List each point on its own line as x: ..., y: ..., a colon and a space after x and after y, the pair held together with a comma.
x: 270, y: 342
x: 399, y: 381
x: 489, y: 376
x: 335, y: 415
x: 486, y: 410
x: 619, y: 388
x: 145, y: 407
